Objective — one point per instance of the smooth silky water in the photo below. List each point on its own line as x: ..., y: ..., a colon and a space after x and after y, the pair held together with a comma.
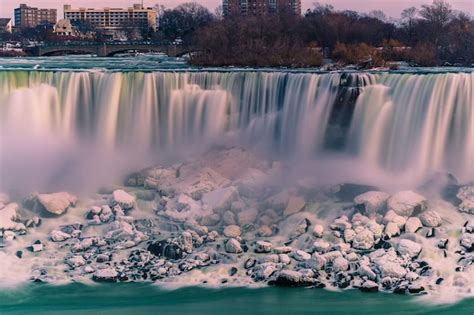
x: 78, y: 122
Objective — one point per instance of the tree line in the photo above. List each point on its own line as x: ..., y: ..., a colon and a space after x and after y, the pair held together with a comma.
x: 431, y: 35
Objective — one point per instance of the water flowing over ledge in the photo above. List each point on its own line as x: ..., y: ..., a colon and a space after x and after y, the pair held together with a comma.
x: 412, y: 124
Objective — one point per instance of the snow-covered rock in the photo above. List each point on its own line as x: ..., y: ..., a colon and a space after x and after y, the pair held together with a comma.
x: 59, y: 236
x: 301, y: 255
x: 430, y: 218
x: 8, y: 218
x: 105, y: 275
x: 56, y: 203
x: 220, y: 199
x: 466, y: 194
x: 233, y: 246
x: 371, y: 202
x: 232, y: 231
x: 406, y: 203
x: 263, y: 247
x: 412, y: 224
x: 318, y: 230
x: 363, y: 240
x: 340, y: 264
x: 123, y: 199
x: 408, y: 247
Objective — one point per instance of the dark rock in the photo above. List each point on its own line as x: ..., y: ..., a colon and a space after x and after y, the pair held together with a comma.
x: 439, y: 280
x: 233, y: 271
x: 166, y: 249
x: 443, y: 243
x: 415, y: 288
x: 382, y: 244
x: 19, y: 254
x: 250, y: 263
x: 431, y: 233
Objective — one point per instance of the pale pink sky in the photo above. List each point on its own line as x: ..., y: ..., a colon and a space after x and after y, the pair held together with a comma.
x: 390, y: 7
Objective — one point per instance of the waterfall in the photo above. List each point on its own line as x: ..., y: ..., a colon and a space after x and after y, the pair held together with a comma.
x: 401, y: 122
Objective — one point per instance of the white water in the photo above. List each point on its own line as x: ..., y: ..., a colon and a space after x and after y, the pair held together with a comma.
x: 411, y: 124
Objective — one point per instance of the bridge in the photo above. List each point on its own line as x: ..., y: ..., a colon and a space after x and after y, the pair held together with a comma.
x: 108, y: 49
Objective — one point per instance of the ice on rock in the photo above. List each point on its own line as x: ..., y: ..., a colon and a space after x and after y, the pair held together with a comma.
x: 467, y: 241
x: 263, y: 247
x: 59, y: 236
x: 321, y: 246
x: 341, y: 223
x: 412, y: 224
x: 123, y: 199
x: 8, y: 218
x: 220, y: 199
x: 406, y: 203
x: 363, y: 240
x: 371, y: 202
x: 76, y: 261
x: 408, y: 247
x: 232, y: 231
x: 349, y: 235
x: 340, y: 264
x: 301, y: 255
x: 233, y: 246
x: 318, y: 230
x: 56, y: 203
x: 105, y: 275
x: 466, y: 194
x: 430, y: 218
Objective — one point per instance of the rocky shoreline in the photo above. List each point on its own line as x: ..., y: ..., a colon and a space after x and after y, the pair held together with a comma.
x: 223, y: 220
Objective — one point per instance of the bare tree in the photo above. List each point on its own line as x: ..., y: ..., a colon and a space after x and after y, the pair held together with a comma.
x: 439, y: 13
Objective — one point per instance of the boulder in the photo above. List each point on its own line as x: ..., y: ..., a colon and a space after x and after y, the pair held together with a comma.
x: 392, y: 229
x: 291, y: 278
x: 232, y: 231
x: 166, y: 249
x: 220, y: 199
x: 295, y: 204
x: 59, y: 236
x: 406, y: 203
x: 412, y: 225
x: 56, y: 203
x: 363, y: 240
x: 105, y: 275
x: 371, y: 202
x: 248, y: 216
x: 369, y: 286
x: 263, y: 247
x: 76, y: 261
x: 321, y: 246
x: 301, y: 255
x: 233, y: 246
x: 123, y: 199
x: 407, y: 247
x: 340, y: 264
x: 318, y: 230
x: 430, y: 218
x: 8, y: 218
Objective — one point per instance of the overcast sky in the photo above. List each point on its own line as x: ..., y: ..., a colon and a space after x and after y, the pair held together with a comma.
x: 391, y: 7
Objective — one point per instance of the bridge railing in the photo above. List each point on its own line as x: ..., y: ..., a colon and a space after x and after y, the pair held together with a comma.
x: 132, y: 43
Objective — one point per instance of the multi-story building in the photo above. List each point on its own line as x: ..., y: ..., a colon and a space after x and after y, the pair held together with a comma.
x: 114, y: 19
x: 6, y: 25
x: 260, y: 7
x: 26, y: 16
